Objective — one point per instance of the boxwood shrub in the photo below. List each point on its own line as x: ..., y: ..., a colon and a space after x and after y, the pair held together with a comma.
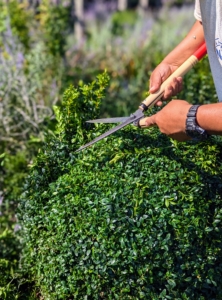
x: 136, y: 216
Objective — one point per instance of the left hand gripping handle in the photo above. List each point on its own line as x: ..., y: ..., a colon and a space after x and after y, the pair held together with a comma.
x: 180, y: 72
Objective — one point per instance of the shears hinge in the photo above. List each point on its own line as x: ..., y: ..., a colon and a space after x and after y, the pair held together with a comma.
x: 137, y: 123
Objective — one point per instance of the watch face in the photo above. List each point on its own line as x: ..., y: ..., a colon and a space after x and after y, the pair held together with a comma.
x: 193, y: 133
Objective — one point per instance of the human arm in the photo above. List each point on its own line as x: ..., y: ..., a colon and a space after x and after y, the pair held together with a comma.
x: 171, y: 119
x: 193, y: 40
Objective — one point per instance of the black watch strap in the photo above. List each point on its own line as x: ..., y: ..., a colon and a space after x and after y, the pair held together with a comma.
x: 193, y: 130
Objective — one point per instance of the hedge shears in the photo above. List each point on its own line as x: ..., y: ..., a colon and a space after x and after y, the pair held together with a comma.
x: 137, y: 118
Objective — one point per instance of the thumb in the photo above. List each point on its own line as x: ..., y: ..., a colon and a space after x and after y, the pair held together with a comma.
x: 155, y: 82
x: 159, y: 75
x: 154, y: 86
x: 148, y: 121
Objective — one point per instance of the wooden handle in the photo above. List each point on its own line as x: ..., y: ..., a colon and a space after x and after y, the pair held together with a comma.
x: 180, y: 72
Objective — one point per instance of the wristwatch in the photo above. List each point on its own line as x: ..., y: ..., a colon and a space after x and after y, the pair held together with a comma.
x: 193, y: 130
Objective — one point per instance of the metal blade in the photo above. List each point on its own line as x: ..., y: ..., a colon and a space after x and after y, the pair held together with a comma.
x: 109, y: 120
x: 133, y: 118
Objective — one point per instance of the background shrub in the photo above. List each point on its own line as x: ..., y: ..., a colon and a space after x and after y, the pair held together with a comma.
x: 136, y: 216
x: 129, y: 56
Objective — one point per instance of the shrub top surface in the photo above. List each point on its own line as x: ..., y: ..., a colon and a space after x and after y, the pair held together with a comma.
x: 136, y: 216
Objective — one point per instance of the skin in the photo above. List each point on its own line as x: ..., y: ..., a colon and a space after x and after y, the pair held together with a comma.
x: 192, y: 42
x: 171, y: 118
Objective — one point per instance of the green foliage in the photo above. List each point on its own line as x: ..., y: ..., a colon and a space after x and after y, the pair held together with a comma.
x: 136, y: 216
x: 31, y: 79
x: 55, y: 22
x: 13, y: 172
x: 30, y: 85
x: 199, y: 85
x: 29, y: 88
x: 49, y: 23
x: 122, y: 21
x: 9, y: 256
x: 179, y: 3
x: 80, y: 104
x: 19, y: 21
x: 34, y: 70
x: 3, y: 15
x: 129, y: 58
x: 14, y: 282
x: 8, y: 262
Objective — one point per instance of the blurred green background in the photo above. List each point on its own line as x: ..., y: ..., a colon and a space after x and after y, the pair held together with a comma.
x: 47, y: 45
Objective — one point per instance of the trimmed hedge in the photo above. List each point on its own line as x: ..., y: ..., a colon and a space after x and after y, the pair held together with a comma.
x: 136, y: 216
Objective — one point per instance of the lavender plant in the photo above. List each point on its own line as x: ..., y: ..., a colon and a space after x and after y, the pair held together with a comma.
x: 29, y: 87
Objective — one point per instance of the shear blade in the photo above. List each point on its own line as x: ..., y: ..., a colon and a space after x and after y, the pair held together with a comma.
x: 109, y: 120
x: 133, y: 118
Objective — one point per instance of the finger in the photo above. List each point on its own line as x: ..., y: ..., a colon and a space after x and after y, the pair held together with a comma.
x: 155, y: 83
x: 174, y: 88
x: 180, y: 84
x: 177, y: 85
x: 168, y: 93
x: 149, y: 121
x: 159, y: 103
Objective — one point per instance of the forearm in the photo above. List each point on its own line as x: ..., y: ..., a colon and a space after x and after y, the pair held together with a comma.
x: 209, y: 117
x: 193, y: 40
x: 186, y: 48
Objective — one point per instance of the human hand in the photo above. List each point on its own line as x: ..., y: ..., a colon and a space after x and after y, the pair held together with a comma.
x: 159, y: 75
x: 171, y: 119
